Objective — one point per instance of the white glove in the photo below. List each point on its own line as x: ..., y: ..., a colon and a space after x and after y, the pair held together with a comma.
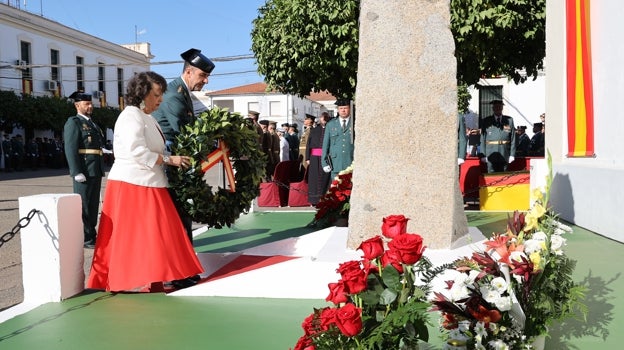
x: 106, y: 151
x: 484, y: 160
x: 511, y: 159
x: 460, y: 161
x: 80, y: 178
x: 327, y: 169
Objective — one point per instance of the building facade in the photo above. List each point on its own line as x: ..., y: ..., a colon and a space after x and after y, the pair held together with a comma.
x: 41, y: 57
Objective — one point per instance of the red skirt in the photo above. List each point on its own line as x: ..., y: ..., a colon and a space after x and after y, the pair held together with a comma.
x: 140, y: 240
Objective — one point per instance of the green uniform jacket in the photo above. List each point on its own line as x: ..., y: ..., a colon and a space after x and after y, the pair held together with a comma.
x: 176, y: 109
x: 78, y: 134
x: 498, y: 141
x: 338, y: 145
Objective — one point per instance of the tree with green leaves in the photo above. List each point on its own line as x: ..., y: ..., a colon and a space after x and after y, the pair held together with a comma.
x: 305, y: 45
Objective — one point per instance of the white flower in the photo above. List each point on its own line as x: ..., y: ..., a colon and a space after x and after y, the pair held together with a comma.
x: 503, y: 303
x: 499, y: 284
x: 190, y: 201
x: 533, y: 245
x: 539, y: 236
x: 498, y: 345
x: 480, y: 329
x: 479, y: 346
x: 561, y: 228
x: 490, y: 295
x: 556, y: 243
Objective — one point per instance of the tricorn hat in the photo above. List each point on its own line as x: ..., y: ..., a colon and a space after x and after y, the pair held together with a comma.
x: 264, y: 122
x: 195, y: 58
x: 78, y: 96
x: 343, y: 102
x: 497, y: 102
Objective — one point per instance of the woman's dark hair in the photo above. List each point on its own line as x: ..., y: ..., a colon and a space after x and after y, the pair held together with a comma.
x: 140, y: 85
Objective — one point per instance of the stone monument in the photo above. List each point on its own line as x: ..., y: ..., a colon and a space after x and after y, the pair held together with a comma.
x: 406, y: 123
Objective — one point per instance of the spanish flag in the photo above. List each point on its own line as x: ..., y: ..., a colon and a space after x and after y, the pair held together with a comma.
x: 579, y: 83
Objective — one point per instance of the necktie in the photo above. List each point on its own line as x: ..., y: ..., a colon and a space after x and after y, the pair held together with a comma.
x: 344, y: 125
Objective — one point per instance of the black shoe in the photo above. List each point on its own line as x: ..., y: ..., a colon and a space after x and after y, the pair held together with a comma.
x: 90, y: 244
x: 183, y: 283
x: 195, y: 278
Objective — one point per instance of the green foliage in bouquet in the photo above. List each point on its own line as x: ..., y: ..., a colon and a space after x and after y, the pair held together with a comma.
x: 218, y: 206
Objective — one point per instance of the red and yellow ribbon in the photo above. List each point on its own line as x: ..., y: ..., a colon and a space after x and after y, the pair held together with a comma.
x: 579, y: 83
x: 221, y: 154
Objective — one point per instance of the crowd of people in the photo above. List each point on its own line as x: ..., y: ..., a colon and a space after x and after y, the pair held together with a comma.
x: 36, y: 153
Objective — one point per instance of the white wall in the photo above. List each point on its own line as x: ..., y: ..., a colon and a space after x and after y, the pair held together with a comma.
x: 588, y: 191
x: 44, y: 35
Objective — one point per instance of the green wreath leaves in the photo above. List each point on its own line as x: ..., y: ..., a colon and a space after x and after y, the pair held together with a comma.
x: 219, y: 207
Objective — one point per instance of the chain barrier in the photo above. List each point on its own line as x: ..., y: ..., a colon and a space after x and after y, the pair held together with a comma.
x: 23, y: 222
x: 284, y: 185
x: 493, y: 183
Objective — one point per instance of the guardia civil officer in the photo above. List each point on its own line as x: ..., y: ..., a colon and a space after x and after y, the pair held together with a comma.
x: 176, y: 111
x: 338, y: 140
x: 498, y: 139
x: 84, y: 141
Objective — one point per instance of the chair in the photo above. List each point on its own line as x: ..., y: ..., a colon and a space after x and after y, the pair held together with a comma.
x: 298, y: 193
x: 275, y: 193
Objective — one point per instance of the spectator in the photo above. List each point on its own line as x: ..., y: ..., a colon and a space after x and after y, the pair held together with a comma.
x: 318, y: 180
x: 523, y: 142
x: 537, y: 141
x: 284, y: 146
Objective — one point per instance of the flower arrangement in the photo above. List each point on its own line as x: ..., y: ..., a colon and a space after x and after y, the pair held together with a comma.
x: 376, y: 303
x: 334, y: 204
x: 507, y: 295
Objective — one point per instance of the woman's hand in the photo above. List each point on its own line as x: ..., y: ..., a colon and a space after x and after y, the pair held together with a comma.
x: 180, y: 161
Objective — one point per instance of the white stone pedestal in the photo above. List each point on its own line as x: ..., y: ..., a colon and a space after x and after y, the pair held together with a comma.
x: 52, y: 248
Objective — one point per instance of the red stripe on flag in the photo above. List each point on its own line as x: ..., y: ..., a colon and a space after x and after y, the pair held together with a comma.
x: 580, y: 115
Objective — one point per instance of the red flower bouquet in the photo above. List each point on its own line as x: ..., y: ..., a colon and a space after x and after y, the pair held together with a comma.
x: 334, y: 204
x: 376, y: 303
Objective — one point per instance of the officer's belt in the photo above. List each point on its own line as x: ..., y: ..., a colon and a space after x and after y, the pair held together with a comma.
x: 497, y: 142
x: 90, y: 151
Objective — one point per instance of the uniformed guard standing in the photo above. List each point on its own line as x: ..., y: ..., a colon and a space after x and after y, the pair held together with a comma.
x: 498, y: 139
x: 83, y: 149
x: 338, y: 141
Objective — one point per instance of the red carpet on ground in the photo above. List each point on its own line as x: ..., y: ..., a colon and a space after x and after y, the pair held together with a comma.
x: 245, y: 263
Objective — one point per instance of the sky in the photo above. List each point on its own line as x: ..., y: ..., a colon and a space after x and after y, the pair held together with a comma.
x: 219, y: 28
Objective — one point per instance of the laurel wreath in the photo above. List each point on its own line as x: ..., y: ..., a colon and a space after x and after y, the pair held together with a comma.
x: 218, y: 207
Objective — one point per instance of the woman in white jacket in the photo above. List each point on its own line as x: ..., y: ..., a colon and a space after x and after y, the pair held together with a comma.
x: 141, y: 241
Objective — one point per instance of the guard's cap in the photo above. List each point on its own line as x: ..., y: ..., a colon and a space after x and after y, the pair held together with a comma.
x: 264, y: 122
x: 195, y: 58
x: 254, y: 113
x: 343, y: 102
x: 497, y: 102
x: 78, y: 96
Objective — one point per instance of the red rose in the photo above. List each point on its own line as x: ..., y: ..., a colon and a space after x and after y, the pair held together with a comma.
x: 337, y: 293
x: 328, y: 317
x: 308, y: 325
x: 408, y: 247
x: 372, y: 248
x: 353, y: 277
x: 391, y: 257
x: 394, y: 225
x: 349, y: 320
x: 304, y: 343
